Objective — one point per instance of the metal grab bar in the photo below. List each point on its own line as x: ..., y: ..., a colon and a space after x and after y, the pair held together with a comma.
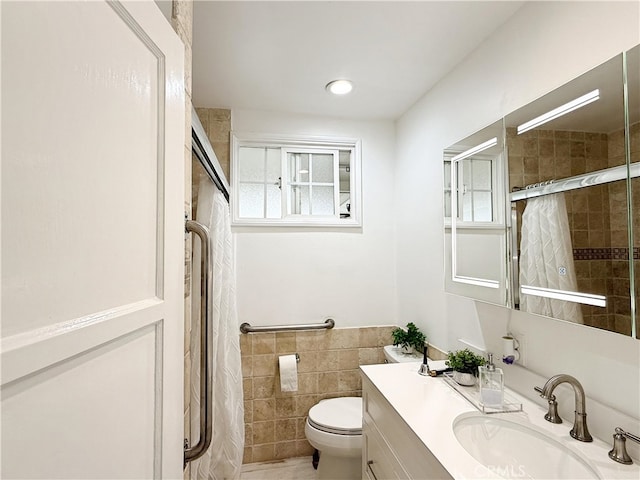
x: 328, y: 324
x: 206, y: 418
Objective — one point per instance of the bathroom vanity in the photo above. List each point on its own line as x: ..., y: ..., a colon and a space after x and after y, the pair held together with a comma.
x: 414, y: 427
x: 390, y: 448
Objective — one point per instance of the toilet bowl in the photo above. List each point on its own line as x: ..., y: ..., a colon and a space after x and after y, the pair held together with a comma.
x: 334, y: 428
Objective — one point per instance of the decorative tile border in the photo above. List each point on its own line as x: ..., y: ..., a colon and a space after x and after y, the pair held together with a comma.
x: 609, y: 253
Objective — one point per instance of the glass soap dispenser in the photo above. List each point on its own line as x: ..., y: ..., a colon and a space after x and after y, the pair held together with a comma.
x: 491, y: 384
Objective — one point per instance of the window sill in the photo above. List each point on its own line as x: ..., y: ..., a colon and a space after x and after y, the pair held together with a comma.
x: 325, y: 222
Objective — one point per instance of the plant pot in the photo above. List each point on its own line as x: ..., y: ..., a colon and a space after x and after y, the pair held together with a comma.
x: 465, y: 379
x: 407, y: 350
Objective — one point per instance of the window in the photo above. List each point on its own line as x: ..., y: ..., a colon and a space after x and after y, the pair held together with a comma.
x: 475, y: 191
x: 295, y: 181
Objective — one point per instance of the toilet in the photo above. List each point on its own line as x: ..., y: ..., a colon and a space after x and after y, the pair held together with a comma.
x: 334, y: 428
x: 393, y: 354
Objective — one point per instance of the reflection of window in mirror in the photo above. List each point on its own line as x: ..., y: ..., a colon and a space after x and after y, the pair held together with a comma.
x: 476, y: 188
x: 475, y: 181
x: 474, y: 223
x: 447, y: 187
x: 295, y: 182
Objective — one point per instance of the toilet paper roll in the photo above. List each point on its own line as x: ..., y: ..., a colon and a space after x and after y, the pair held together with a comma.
x: 288, y: 373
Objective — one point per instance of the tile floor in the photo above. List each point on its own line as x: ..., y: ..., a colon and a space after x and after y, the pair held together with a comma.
x: 298, y: 468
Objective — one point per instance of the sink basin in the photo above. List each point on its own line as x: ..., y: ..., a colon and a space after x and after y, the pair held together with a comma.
x: 513, y: 449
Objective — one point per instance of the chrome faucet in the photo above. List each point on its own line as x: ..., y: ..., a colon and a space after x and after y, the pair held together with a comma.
x: 579, y: 431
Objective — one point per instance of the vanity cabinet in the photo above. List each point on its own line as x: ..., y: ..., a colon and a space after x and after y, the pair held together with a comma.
x: 390, y: 449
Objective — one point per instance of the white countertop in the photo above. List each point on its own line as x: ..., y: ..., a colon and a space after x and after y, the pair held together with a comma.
x: 428, y: 405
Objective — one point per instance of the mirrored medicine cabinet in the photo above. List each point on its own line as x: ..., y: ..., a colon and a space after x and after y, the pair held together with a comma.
x: 542, y: 208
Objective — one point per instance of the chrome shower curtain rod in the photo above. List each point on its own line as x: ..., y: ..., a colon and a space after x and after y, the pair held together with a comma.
x: 598, y: 177
x: 201, y: 147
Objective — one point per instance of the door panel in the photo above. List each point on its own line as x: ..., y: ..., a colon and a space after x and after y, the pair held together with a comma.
x: 101, y: 403
x: 89, y: 161
x: 92, y: 241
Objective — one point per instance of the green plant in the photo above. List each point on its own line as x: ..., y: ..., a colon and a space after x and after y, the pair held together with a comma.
x: 465, y: 361
x: 411, y: 337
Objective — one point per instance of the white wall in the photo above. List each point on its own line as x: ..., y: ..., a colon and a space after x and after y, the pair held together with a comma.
x: 544, y: 45
x: 287, y: 275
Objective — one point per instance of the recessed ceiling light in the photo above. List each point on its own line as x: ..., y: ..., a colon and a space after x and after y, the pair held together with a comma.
x: 339, y: 87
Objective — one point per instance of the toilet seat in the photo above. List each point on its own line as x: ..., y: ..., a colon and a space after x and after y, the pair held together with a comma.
x: 339, y: 416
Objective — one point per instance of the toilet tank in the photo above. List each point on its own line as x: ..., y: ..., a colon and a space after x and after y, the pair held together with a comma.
x: 393, y: 354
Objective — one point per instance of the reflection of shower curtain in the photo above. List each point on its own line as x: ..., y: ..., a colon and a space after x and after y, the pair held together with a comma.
x: 223, y: 459
x: 546, y: 258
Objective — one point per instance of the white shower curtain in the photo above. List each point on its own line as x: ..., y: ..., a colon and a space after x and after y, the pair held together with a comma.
x: 223, y: 459
x: 546, y: 257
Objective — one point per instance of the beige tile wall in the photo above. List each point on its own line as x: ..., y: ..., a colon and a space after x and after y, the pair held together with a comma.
x: 217, y: 123
x: 182, y: 23
x: 328, y: 368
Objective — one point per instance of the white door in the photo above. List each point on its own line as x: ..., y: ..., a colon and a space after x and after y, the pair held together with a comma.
x: 92, y: 241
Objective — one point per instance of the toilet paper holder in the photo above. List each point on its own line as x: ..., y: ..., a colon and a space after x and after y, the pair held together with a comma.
x: 297, y: 358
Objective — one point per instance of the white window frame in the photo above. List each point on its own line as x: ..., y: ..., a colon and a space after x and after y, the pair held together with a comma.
x: 300, y: 144
x: 497, y: 192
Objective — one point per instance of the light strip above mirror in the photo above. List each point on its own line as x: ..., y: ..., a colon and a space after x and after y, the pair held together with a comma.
x: 560, y: 111
x: 477, y: 149
x: 585, y: 298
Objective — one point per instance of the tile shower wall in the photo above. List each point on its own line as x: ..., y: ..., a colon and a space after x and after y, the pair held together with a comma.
x: 182, y: 23
x: 328, y: 368
x: 217, y: 123
x: 597, y: 215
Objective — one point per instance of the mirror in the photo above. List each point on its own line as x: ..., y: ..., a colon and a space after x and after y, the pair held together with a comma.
x: 474, y: 216
x: 553, y: 224
x: 567, y: 170
x: 633, y: 104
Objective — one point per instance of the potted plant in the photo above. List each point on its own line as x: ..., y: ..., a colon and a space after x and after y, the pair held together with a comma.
x: 465, y: 365
x: 409, y: 339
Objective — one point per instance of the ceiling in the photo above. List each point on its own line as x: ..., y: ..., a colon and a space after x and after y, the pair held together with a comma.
x: 279, y: 56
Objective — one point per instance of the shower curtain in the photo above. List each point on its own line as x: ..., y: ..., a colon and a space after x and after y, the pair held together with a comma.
x: 223, y: 459
x: 546, y: 258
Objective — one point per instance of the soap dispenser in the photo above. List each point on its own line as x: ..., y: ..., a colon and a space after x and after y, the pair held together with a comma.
x: 491, y: 384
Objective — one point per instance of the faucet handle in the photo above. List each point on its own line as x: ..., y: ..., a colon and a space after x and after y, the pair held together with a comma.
x: 552, y: 412
x: 619, y: 450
